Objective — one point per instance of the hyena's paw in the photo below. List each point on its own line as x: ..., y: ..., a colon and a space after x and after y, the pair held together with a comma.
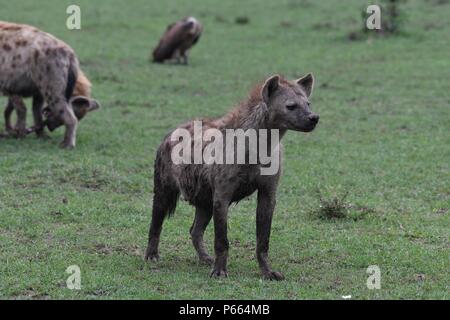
x: 273, y: 275
x: 151, y: 255
x: 219, y: 273
x: 42, y: 135
x: 20, y: 133
x: 153, y: 259
x: 10, y: 132
x: 67, y: 145
x: 207, y: 259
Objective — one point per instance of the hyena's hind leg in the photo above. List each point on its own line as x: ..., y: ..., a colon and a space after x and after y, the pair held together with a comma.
x: 202, y: 218
x: 163, y: 204
x: 16, y: 103
x: 7, y: 114
x: 165, y: 199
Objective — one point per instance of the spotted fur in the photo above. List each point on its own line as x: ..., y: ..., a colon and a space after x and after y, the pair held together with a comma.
x: 36, y: 64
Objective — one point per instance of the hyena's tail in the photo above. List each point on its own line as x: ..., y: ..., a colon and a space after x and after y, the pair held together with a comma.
x: 165, y: 193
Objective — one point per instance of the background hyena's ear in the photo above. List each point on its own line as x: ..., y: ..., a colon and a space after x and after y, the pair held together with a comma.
x: 94, y: 105
x: 84, y: 103
x: 307, y: 82
x: 269, y: 87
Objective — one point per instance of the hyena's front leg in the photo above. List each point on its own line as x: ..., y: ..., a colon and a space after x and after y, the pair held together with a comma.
x: 54, y: 91
x: 38, y: 102
x: 220, y: 213
x: 61, y: 108
x: 264, y: 213
x: 71, y: 123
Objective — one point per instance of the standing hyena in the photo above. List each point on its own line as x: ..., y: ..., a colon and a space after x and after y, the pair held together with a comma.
x: 34, y: 61
x: 278, y: 105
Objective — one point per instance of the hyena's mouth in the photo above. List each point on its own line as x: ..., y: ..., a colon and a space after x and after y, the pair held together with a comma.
x: 305, y: 127
x: 50, y: 125
x: 309, y: 128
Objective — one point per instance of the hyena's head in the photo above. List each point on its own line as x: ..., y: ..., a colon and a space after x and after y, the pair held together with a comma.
x: 80, y: 105
x: 288, y: 103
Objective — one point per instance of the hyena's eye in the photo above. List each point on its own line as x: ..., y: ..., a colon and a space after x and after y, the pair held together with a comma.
x: 291, y: 106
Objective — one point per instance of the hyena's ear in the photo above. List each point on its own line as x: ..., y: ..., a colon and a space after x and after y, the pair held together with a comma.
x: 269, y: 87
x: 85, y: 103
x: 82, y: 105
x: 307, y: 83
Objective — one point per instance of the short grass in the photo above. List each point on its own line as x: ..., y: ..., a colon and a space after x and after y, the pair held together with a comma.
x: 383, y: 139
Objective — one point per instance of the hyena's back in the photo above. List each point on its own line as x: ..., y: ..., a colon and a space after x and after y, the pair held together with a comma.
x: 31, y: 59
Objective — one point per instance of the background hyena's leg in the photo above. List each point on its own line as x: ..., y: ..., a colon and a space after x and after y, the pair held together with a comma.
x: 60, y: 107
x: 21, y: 110
x: 38, y: 102
x: 71, y: 124
x: 8, y: 112
x: 264, y: 213
x: 202, y: 218
x: 220, y: 213
x: 164, y: 202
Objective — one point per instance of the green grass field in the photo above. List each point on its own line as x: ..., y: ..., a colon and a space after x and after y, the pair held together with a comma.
x: 383, y: 138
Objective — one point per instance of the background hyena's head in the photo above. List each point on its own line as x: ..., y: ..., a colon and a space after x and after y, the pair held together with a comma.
x: 288, y: 103
x: 80, y: 105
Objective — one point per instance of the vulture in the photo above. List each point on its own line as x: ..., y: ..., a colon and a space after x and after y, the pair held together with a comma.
x: 177, y: 40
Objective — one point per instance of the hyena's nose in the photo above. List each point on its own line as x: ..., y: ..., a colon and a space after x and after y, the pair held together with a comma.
x: 314, y: 118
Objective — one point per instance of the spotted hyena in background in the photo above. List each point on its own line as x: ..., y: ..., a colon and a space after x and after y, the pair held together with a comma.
x: 82, y: 88
x: 34, y: 63
x: 279, y: 105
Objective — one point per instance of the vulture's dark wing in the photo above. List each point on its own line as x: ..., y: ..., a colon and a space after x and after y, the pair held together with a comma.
x: 170, y: 41
x: 197, y: 37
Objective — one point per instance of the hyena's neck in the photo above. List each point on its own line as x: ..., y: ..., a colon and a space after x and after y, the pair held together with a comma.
x: 256, y: 117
